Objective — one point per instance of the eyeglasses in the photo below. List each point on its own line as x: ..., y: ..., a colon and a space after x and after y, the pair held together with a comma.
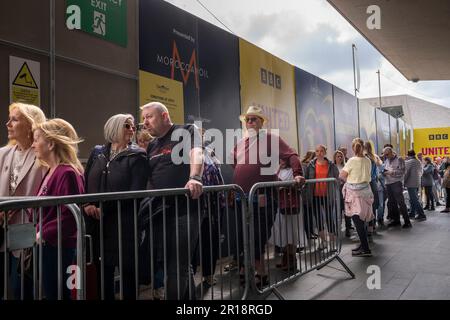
x: 129, y: 126
x: 252, y: 119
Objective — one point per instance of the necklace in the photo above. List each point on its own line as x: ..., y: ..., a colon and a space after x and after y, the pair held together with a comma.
x: 114, y: 153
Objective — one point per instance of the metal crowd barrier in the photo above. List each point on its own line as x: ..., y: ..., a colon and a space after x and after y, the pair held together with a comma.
x: 161, y: 244
x: 157, y: 244
x: 293, y: 230
x: 19, y: 240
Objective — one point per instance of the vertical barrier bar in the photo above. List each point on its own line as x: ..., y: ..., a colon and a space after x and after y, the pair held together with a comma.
x: 177, y: 242
x: 35, y: 278
x: 60, y: 284
x: 102, y: 254
x: 165, y: 248
x: 211, y: 244
x: 40, y: 255
x: 6, y: 262
x: 152, y: 254
x: 22, y: 265
x: 136, y: 253
x: 219, y: 233
x: 200, y: 251
x: 119, y: 227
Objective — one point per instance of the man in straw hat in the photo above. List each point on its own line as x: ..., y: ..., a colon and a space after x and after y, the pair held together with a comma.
x: 248, y: 172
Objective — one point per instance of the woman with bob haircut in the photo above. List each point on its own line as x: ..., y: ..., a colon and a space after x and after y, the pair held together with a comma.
x: 117, y: 166
x: 55, y: 145
x: 20, y: 175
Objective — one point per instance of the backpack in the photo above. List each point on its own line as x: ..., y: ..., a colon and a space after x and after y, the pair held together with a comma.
x: 436, y: 175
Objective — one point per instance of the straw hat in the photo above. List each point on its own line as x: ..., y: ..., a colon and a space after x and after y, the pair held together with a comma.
x: 254, y: 111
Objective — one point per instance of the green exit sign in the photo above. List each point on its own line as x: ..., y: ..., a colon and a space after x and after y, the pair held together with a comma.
x: 106, y: 19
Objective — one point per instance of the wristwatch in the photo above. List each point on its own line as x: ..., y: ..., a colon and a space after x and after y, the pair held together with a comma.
x: 196, y: 177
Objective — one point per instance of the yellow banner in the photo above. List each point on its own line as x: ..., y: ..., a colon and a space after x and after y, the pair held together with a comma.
x: 268, y: 82
x: 432, y: 142
x: 167, y: 91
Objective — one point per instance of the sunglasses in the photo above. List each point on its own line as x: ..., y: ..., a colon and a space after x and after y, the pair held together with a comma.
x: 252, y: 119
x: 129, y: 126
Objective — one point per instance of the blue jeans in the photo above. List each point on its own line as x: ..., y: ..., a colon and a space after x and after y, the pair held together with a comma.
x: 381, y: 203
x: 414, y: 200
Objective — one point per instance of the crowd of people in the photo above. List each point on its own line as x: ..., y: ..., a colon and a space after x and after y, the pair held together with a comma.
x: 41, y: 160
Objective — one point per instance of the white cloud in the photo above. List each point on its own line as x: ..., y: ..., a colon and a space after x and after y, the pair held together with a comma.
x: 314, y: 36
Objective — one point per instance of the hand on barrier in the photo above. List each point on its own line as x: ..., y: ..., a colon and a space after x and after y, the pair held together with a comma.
x: 195, y: 188
x: 92, y: 211
x: 300, y: 180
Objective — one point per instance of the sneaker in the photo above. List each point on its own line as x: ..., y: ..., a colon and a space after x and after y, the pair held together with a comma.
x: 420, y: 218
x: 158, y: 294
x: 438, y: 204
x: 356, y: 249
x: 210, y: 280
x: 231, y: 266
x: 407, y: 225
x: 362, y: 253
x: 355, y: 238
x: 394, y: 224
x: 446, y: 210
x: 323, y: 245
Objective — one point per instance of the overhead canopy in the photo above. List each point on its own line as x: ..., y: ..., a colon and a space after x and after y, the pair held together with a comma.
x: 414, y: 35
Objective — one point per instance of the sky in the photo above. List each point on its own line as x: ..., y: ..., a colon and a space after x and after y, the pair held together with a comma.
x: 313, y: 36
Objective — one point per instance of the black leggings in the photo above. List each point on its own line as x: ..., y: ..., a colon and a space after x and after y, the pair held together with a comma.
x: 362, y: 234
x: 447, y: 198
x: 330, y: 214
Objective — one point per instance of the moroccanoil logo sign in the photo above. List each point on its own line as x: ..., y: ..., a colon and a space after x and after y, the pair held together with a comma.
x: 178, y: 62
x: 432, y: 142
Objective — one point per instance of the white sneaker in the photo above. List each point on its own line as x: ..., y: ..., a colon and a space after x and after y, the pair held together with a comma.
x: 158, y: 294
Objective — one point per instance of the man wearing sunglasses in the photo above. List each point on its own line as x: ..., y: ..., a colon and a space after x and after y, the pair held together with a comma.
x: 248, y: 172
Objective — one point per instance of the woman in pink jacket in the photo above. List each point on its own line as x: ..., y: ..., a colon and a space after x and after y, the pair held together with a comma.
x: 20, y: 175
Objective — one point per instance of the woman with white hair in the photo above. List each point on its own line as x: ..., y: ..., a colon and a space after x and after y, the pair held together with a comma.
x: 20, y: 175
x: 119, y: 165
x: 56, y: 146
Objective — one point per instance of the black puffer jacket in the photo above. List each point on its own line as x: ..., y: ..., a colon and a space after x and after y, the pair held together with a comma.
x: 128, y: 171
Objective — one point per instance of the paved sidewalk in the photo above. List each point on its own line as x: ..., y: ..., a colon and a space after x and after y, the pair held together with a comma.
x: 414, y: 263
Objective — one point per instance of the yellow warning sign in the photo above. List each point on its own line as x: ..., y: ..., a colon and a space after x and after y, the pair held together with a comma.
x: 25, y: 78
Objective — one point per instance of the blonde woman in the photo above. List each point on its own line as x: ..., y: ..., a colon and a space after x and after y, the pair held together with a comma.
x: 55, y: 145
x: 20, y: 175
x: 358, y: 196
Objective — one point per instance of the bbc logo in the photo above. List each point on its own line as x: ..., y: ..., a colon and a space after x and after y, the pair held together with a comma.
x: 438, y: 136
x: 270, y: 79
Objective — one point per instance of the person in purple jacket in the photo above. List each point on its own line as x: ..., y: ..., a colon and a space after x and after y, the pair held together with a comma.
x: 55, y: 145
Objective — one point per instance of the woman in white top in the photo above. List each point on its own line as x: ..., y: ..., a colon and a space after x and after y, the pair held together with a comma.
x: 358, y: 196
x: 20, y: 175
